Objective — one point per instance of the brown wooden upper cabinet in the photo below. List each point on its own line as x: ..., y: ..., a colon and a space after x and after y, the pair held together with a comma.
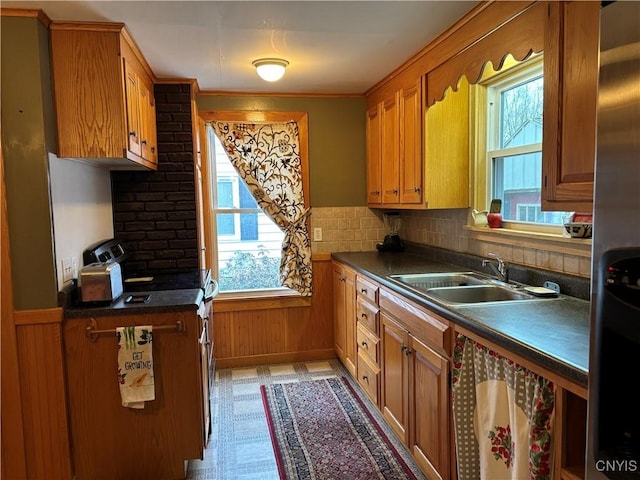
x: 571, y: 53
x: 565, y: 32
x: 394, y: 150
x: 103, y: 94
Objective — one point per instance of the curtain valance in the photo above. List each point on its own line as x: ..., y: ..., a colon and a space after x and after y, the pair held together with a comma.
x: 520, y: 36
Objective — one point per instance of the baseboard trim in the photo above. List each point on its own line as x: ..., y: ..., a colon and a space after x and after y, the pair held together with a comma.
x: 275, y: 358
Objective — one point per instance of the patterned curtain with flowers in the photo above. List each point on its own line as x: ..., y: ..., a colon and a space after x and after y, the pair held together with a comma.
x: 267, y: 158
x: 503, y: 416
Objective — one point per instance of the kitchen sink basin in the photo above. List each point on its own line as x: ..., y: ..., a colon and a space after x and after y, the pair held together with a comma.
x: 478, y: 294
x: 462, y: 287
x: 426, y: 281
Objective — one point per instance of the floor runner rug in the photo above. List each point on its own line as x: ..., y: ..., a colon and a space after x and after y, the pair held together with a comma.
x: 322, y: 430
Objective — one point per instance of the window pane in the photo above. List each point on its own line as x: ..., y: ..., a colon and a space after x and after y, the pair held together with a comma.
x: 249, y: 244
x: 521, y: 114
x: 225, y: 193
x: 226, y: 224
x: 516, y: 181
x: 252, y: 261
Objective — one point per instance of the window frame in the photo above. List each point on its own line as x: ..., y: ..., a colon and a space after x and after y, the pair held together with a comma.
x: 265, y: 117
x: 512, y: 73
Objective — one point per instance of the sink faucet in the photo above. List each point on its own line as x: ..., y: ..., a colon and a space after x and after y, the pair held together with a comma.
x: 499, y: 267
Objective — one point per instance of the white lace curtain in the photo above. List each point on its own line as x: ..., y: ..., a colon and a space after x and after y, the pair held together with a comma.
x: 267, y: 158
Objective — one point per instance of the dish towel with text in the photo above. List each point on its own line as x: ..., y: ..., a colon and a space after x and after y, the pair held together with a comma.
x: 135, y: 365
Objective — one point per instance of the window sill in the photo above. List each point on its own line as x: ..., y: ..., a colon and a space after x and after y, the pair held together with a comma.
x: 259, y: 300
x: 543, y: 241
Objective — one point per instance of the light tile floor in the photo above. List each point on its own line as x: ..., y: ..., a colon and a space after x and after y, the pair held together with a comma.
x: 240, y: 447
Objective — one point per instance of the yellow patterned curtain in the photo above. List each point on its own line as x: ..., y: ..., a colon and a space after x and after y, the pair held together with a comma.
x: 503, y: 416
x: 267, y: 158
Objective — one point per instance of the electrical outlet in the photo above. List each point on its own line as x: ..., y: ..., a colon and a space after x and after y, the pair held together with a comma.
x: 67, y: 269
x: 317, y: 234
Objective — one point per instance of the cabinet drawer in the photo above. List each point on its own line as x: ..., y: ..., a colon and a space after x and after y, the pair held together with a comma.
x: 367, y: 314
x: 367, y: 342
x: 368, y: 377
x: 367, y: 289
x: 424, y: 325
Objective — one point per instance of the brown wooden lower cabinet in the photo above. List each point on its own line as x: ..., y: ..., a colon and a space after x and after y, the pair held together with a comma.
x: 395, y: 376
x: 415, y: 381
x: 406, y: 373
x: 429, y: 439
x: 111, y: 441
x: 344, y: 294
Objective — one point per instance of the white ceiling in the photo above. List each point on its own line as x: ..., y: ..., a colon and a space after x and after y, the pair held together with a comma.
x: 338, y: 47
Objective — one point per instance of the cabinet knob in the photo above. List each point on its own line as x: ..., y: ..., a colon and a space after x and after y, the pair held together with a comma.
x: 144, y: 142
x: 363, y: 315
x: 365, y: 378
x: 376, y: 193
x: 364, y: 344
x: 363, y: 290
x: 394, y: 191
x: 132, y: 134
x: 153, y: 149
x: 416, y: 189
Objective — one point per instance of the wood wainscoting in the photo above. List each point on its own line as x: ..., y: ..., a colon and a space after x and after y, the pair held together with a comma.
x: 276, y: 330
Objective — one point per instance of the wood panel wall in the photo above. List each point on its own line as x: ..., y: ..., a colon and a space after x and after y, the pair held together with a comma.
x: 277, y: 331
x: 44, y: 399
x: 13, y: 459
x: 35, y: 426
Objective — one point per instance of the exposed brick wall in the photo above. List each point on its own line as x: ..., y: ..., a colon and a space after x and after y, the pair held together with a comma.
x: 155, y: 212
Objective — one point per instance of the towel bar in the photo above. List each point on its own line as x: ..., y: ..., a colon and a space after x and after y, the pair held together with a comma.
x: 92, y: 331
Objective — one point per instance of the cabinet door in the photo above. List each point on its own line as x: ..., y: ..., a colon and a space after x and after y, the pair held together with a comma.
x: 429, y: 410
x: 571, y: 53
x: 339, y: 323
x: 344, y: 317
x: 133, y: 111
x: 411, y: 159
x: 389, y: 146
x: 374, y: 156
x: 350, y: 320
x: 395, y: 377
x: 147, y: 122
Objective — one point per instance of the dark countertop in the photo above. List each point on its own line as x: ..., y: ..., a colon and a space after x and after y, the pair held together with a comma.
x: 552, y: 333
x: 161, y: 301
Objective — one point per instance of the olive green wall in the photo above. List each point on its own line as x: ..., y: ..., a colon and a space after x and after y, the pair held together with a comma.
x: 337, y: 144
x: 28, y: 133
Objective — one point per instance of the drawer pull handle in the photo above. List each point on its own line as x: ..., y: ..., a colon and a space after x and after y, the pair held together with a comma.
x: 365, y: 378
x: 363, y: 290
x: 364, y: 344
x: 363, y: 315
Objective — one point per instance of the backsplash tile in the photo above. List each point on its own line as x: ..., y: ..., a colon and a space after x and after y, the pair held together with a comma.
x: 346, y: 229
x: 349, y: 229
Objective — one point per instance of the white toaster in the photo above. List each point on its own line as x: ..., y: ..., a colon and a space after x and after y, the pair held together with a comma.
x: 101, y: 282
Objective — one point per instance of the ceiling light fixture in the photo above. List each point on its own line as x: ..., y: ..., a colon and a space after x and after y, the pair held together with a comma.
x: 270, y: 69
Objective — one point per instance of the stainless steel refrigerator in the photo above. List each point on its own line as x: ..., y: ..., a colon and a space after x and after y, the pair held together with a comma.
x: 613, y: 443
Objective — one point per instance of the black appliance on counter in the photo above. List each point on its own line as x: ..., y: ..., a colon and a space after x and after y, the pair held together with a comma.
x: 113, y: 250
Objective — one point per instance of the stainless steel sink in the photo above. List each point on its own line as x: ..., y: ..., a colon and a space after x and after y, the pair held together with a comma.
x: 426, y: 281
x: 462, y: 287
x: 478, y: 294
